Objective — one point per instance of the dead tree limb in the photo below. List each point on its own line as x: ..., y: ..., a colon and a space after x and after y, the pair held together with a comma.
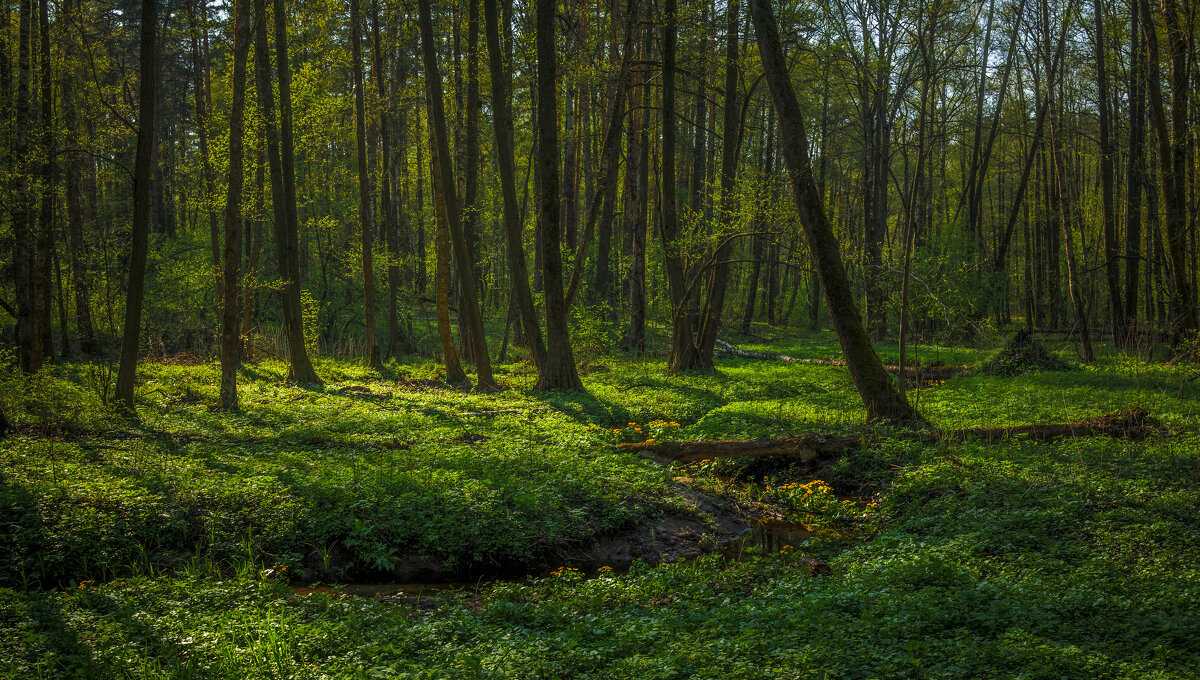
x: 816, y: 449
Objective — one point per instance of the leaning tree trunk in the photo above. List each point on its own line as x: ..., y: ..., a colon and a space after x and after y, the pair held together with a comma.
x: 143, y: 171
x: 879, y: 395
x: 501, y: 79
x: 283, y: 229
x: 730, y: 131
x: 558, y: 371
x: 437, y: 120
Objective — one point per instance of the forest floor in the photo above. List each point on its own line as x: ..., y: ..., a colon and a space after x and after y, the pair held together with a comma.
x: 385, y: 525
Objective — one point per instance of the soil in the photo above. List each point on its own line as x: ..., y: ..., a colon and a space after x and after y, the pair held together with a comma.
x: 702, y: 526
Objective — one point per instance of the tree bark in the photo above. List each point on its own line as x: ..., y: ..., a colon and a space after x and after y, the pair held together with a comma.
x: 1107, y: 151
x: 558, y: 371
x: 24, y: 246
x: 437, y: 121
x: 730, y: 131
x: 878, y: 393
x: 1173, y: 149
x: 1135, y: 171
x: 143, y: 172
x: 501, y: 79
x: 684, y: 354
x: 73, y: 191
x: 230, y: 327
x: 374, y: 360
x: 41, y: 281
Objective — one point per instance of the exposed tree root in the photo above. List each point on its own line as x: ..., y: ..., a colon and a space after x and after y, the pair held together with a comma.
x: 816, y: 450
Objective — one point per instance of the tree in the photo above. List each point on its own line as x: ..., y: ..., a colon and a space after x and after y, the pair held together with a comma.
x: 558, y: 371
x: 501, y: 81
x: 878, y: 393
x: 230, y: 321
x: 282, y: 201
x: 364, y: 190
x: 287, y: 240
x: 445, y: 178
x: 143, y: 171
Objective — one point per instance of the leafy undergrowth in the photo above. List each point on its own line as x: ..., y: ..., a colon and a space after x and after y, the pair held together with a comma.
x: 1019, y: 559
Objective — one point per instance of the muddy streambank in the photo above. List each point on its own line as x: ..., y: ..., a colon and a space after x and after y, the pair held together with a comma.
x: 700, y: 525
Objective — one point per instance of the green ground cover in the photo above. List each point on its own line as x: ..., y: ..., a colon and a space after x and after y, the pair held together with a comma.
x: 156, y: 548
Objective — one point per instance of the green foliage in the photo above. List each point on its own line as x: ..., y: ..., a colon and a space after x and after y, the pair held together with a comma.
x: 591, y: 334
x: 951, y: 560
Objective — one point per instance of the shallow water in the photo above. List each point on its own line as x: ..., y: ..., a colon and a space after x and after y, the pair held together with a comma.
x: 765, y: 537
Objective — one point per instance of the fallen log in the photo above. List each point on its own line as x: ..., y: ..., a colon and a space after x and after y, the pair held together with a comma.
x: 810, y: 448
x: 922, y: 373
x: 1135, y: 425
x: 815, y: 449
x: 726, y: 348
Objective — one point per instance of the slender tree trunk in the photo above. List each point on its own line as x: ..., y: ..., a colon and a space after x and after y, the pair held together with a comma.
x: 470, y: 165
x: 73, y: 191
x: 24, y: 250
x: 374, y: 359
x: 501, y: 80
x: 729, y: 144
x: 558, y: 371
x: 143, y: 171
x: 637, y: 196
x: 683, y: 349
x: 1107, y: 151
x: 441, y: 247
x: 874, y: 385
x: 437, y: 121
x: 287, y: 238
x: 230, y: 328
x: 41, y: 281
x: 1173, y: 150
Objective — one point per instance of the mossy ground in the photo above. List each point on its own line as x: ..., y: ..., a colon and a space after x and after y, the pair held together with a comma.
x: 153, y: 548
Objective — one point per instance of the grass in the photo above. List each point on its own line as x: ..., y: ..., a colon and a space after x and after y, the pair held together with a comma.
x: 156, y: 548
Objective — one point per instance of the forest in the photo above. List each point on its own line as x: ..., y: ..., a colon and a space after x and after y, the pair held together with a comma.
x: 599, y: 339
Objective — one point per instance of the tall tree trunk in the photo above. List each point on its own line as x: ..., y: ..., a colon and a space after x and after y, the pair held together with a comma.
x: 230, y: 328
x: 1107, y: 151
x: 730, y: 131
x: 879, y: 395
x: 142, y: 174
x: 636, y: 196
x: 683, y: 349
x: 441, y: 247
x: 80, y: 281
x: 200, y: 89
x: 1173, y: 149
x: 286, y: 232
x: 437, y: 121
x: 501, y: 79
x: 40, y: 279
x: 558, y: 371
x: 364, y: 190
x: 24, y: 250
x: 396, y: 338
x: 470, y: 168
x: 1135, y: 171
